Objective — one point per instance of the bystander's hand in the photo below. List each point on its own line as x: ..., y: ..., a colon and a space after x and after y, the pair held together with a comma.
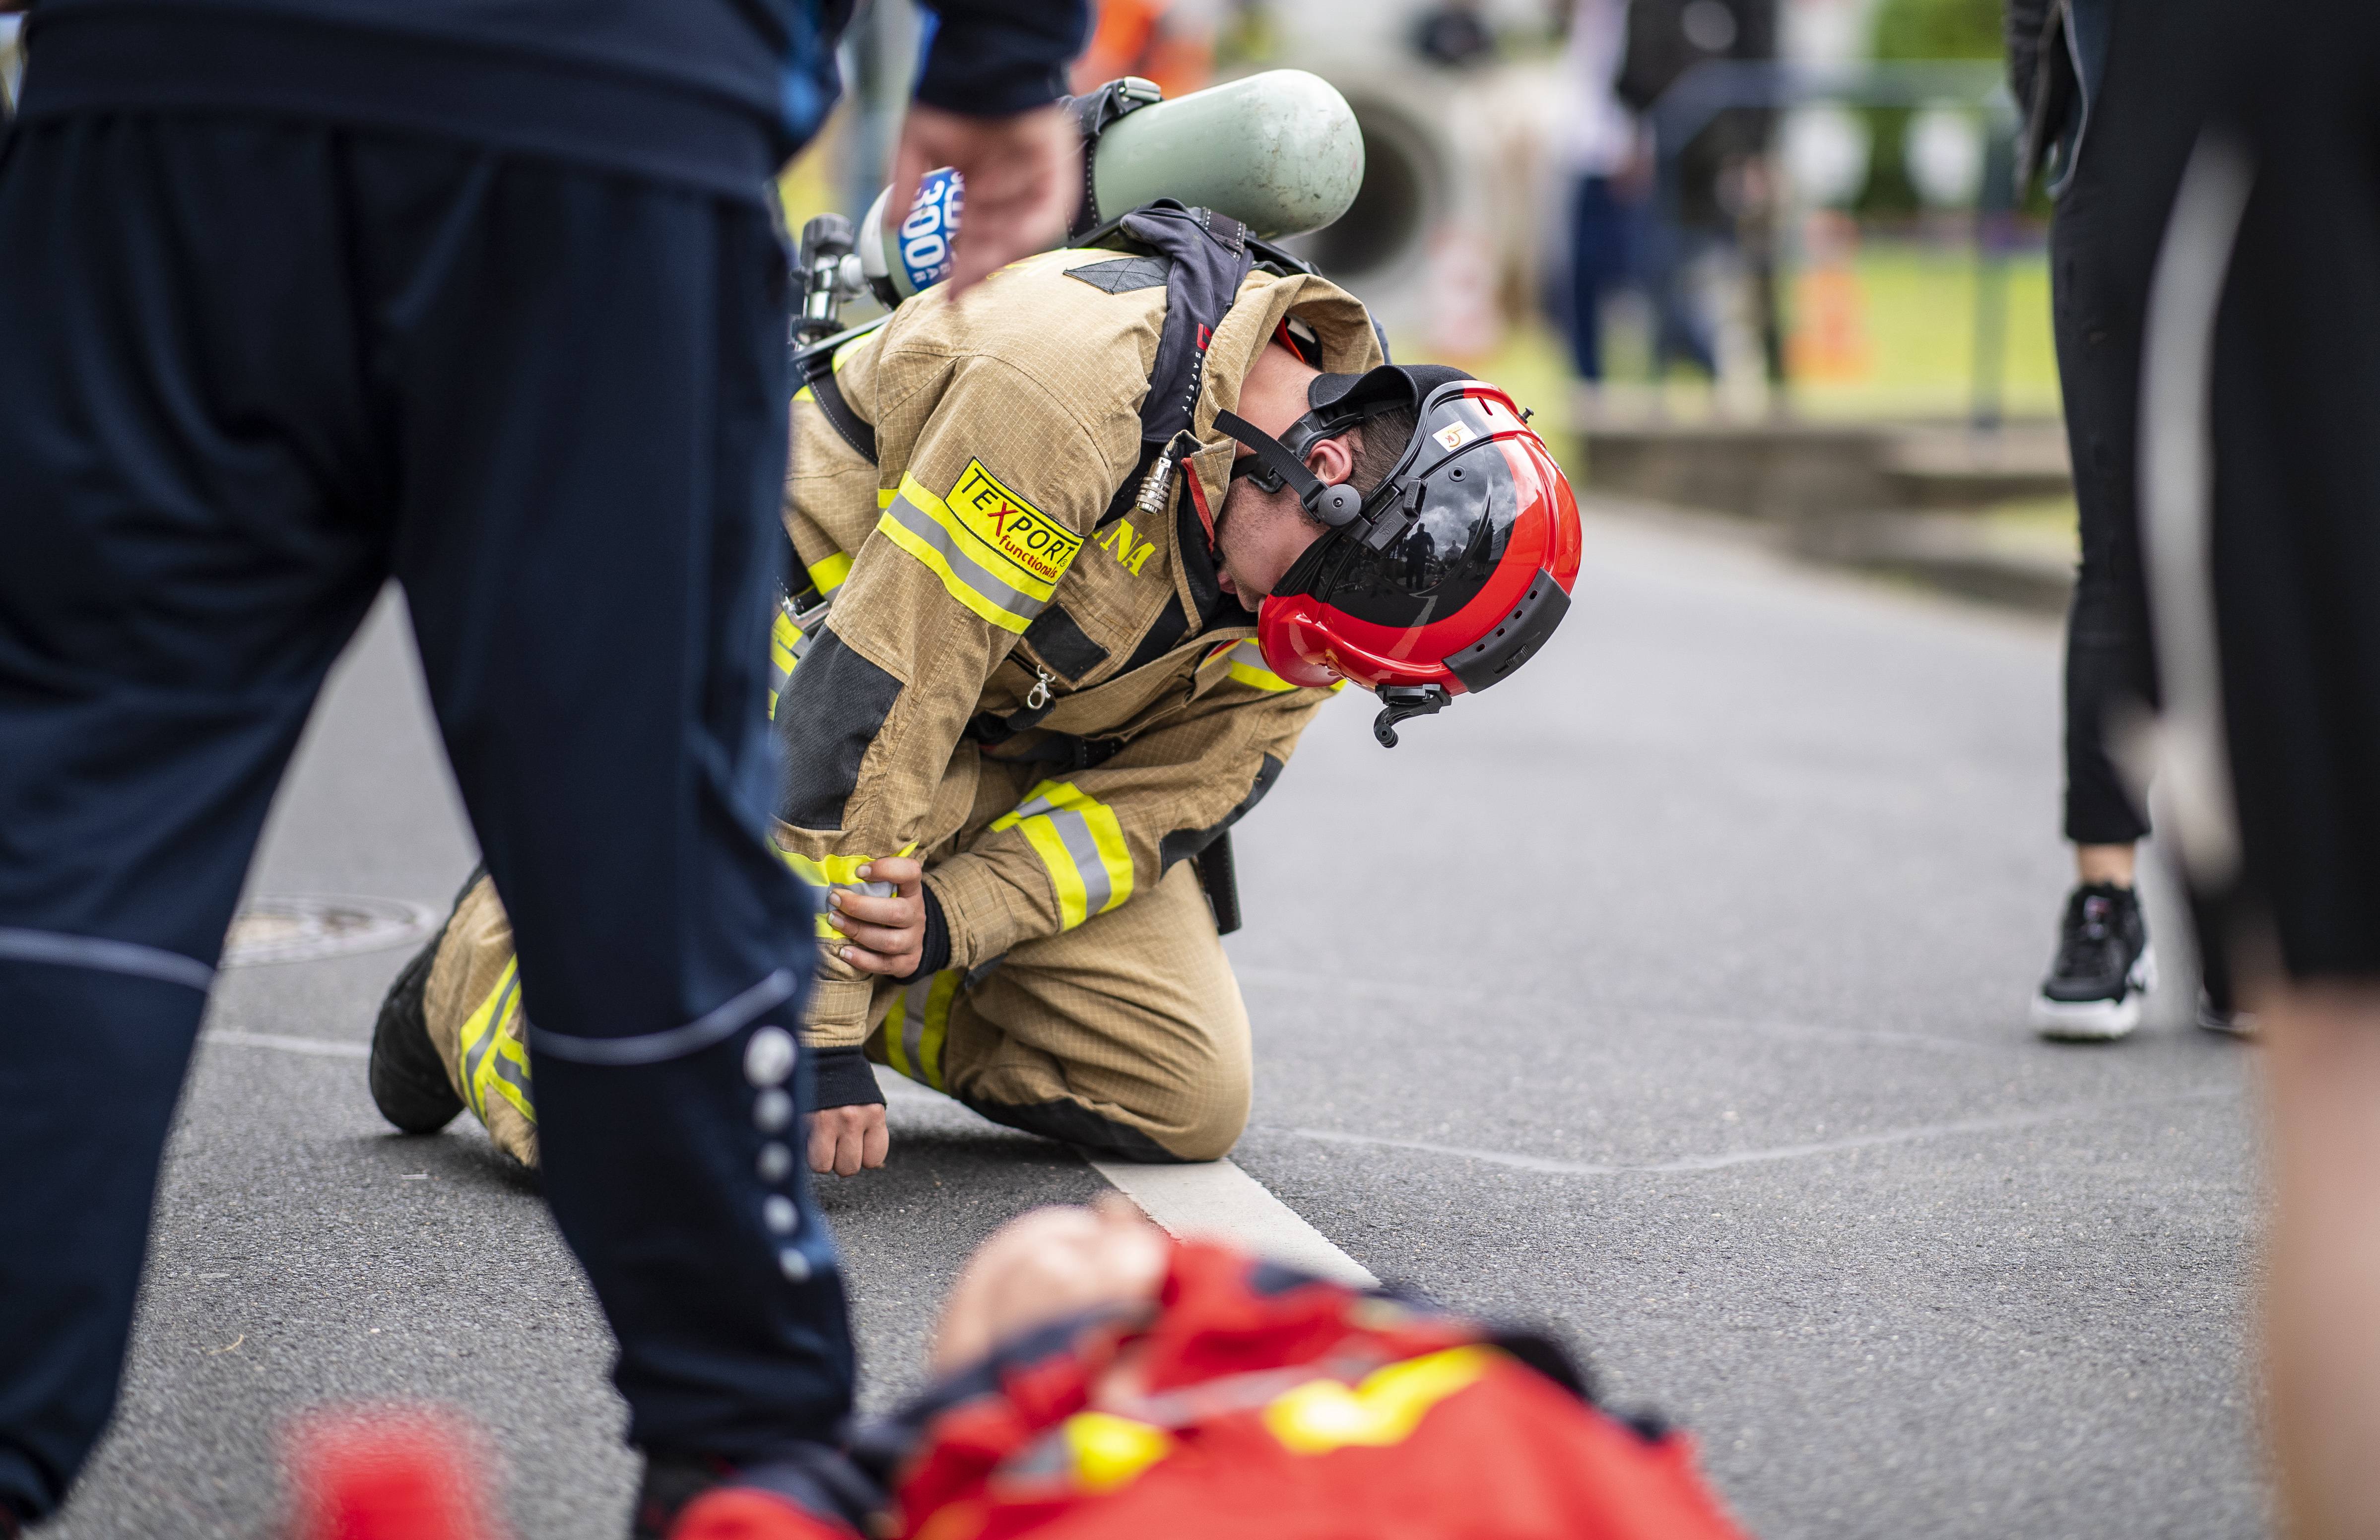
x: 848, y: 1140
x: 1024, y: 179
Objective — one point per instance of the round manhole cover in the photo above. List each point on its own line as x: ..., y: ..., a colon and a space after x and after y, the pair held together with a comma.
x: 277, y: 928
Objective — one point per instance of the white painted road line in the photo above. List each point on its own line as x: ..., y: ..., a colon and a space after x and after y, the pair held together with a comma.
x: 1216, y: 1198
x: 1756, y: 1156
x: 322, y: 1047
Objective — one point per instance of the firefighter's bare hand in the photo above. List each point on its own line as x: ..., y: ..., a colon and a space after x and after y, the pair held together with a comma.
x: 848, y: 1140
x: 883, y: 934
x: 1023, y: 181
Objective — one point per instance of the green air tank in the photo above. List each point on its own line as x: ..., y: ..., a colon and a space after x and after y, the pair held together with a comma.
x: 1279, y: 152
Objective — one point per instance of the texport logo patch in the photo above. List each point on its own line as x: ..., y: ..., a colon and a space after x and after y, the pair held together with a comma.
x: 1013, y: 527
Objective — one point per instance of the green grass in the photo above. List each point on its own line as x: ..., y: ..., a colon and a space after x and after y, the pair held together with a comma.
x: 1916, y: 310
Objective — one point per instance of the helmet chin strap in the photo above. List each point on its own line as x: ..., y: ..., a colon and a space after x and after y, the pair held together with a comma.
x: 1334, y: 505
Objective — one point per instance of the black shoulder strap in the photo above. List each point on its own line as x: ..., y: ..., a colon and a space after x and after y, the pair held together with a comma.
x: 1093, y: 112
x: 847, y: 423
x: 1207, y: 256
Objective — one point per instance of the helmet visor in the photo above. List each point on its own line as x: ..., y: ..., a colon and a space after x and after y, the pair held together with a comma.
x: 1455, y: 498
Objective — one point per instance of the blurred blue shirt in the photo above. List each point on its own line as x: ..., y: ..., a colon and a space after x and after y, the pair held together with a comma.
x: 717, y: 93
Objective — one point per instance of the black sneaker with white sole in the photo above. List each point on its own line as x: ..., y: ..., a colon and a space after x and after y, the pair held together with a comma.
x: 2104, y: 968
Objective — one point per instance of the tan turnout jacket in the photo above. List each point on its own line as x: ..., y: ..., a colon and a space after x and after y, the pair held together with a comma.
x: 968, y: 581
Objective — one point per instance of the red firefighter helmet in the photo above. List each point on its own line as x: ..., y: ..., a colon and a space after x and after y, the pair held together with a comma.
x: 1445, y: 578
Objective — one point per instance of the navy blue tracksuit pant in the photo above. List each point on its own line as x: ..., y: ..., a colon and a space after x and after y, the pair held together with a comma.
x: 250, y: 369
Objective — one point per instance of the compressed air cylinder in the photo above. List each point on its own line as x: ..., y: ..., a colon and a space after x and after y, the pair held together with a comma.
x: 899, y: 259
x: 1278, y: 151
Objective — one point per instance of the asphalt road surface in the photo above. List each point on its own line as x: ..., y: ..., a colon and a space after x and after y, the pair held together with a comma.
x: 1672, y: 994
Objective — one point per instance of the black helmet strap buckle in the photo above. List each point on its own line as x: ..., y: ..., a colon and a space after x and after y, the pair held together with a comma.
x: 1334, y: 504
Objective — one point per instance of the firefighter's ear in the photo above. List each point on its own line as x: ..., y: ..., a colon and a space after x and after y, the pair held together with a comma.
x: 1333, y: 460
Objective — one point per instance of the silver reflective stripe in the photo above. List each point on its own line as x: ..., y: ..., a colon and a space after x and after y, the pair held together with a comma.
x: 974, y: 574
x: 476, y: 1053
x: 510, y: 1071
x: 913, y: 1022
x: 777, y: 677
x: 105, y: 956
x: 1074, y: 831
x: 678, y: 1041
x: 801, y: 643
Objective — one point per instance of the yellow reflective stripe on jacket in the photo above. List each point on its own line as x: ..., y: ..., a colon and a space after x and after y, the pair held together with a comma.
x: 1384, y: 1407
x: 493, y: 1058
x: 919, y: 1025
x: 829, y: 572
x: 974, y: 571
x: 786, y: 645
x: 1248, y: 667
x: 1079, y: 839
x: 837, y: 871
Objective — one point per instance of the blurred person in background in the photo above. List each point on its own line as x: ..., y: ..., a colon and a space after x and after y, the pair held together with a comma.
x: 1610, y: 170
x: 1165, y: 40
x: 299, y: 294
x: 1666, y: 39
x: 2063, y: 71
x: 1453, y: 35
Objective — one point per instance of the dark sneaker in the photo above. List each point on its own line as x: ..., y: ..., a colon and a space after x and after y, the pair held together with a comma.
x: 2219, y: 1016
x: 2103, y: 971
x: 408, y: 1083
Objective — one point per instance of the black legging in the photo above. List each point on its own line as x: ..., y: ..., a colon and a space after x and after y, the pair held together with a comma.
x: 2099, y: 277
x: 2102, y: 245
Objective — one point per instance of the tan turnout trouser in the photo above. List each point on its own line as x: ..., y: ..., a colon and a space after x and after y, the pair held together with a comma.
x: 1126, y: 1035
x: 473, y: 1005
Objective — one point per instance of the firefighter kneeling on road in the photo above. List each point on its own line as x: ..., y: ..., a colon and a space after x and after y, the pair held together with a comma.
x: 1022, y: 695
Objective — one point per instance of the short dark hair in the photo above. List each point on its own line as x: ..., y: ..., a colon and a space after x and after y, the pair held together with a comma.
x: 1379, y: 444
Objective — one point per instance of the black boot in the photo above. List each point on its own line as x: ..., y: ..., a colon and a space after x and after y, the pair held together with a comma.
x: 408, y: 1083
